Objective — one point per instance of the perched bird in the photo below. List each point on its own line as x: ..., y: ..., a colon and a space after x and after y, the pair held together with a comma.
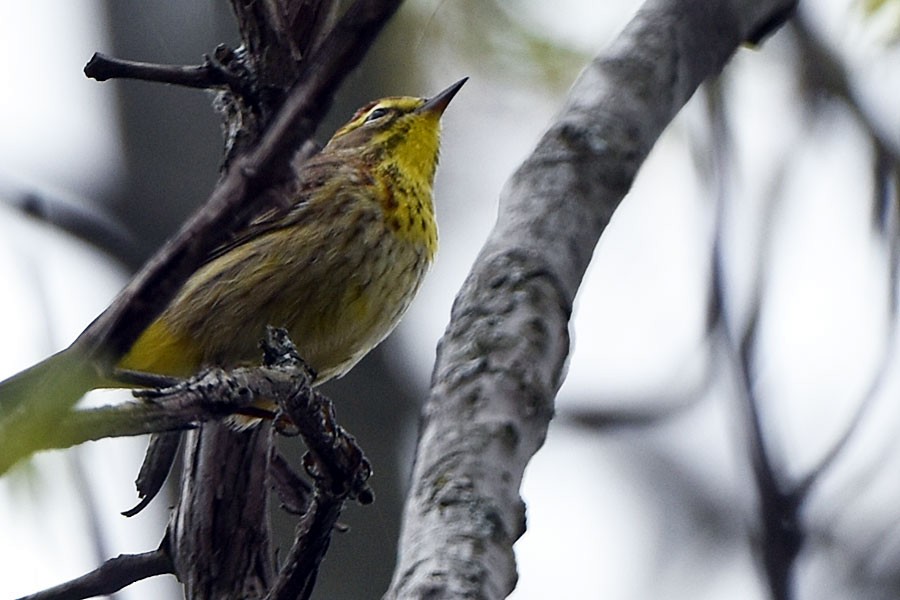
x: 337, y: 268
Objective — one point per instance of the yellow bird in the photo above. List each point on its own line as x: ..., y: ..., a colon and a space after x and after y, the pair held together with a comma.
x: 338, y: 268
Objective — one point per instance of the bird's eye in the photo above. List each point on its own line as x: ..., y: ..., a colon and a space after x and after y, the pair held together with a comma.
x: 376, y: 114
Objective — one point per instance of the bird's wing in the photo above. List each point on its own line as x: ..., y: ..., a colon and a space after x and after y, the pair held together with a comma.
x: 286, y: 207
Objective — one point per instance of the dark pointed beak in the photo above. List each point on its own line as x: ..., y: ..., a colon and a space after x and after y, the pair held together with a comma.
x: 438, y: 103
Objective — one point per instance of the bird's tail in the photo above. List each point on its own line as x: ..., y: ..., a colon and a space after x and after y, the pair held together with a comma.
x: 58, y: 374
x: 34, y: 399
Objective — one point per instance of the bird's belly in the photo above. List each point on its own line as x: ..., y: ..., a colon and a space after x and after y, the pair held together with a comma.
x: 333, y: 333
x: 337, y: 306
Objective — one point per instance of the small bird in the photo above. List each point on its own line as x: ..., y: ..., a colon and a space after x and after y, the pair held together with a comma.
x: 337, y: 268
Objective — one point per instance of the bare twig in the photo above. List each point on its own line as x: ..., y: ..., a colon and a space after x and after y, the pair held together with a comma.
x: 109, y: 578
x: 781, y: 501
x: 210, y: 75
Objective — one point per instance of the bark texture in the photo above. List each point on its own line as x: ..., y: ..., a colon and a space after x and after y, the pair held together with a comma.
x: 219, y: 533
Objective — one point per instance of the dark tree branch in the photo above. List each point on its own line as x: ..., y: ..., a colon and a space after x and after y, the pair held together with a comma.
x: 219, y: 531
x: 283, y: 34
x: 211, y: 74
x: 311, y: 541
x: 339, y: 470
x: 110, y: 577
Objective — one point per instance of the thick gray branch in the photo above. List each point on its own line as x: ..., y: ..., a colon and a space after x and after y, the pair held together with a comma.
x: 501, y: 360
